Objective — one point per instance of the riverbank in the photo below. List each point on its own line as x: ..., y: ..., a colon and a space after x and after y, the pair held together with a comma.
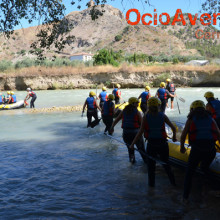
x: 41, y: 78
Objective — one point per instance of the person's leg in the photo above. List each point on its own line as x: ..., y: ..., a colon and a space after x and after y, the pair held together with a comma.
x: 128, y: 138
x: 141, y: 147
x: 164, y: 156
x: 172, y: 98
x: 151, y: 164
x: 163, y: 106
x: 89, y: 118
x: 193, y: 162
x: 117, y: 101
x: 143, y: 107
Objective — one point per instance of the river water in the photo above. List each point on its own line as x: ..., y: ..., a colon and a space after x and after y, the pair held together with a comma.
x: 53, y: 167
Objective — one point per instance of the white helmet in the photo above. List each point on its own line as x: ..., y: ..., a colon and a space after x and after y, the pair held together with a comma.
x: 28, y: 89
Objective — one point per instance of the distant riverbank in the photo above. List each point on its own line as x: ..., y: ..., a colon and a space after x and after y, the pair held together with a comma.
x: 39, y: 78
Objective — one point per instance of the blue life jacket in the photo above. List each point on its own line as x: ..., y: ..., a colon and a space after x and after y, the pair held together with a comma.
x: 162, y: 94
x: 216, y: 108
x: 107, y: 108
x: 103, y: 96
x: 144, y: 97
x: 155, y: 126
x: 202, y: 129
x: 91, y: 103
x: 130, y: 121
x: 115, y: 91
x: 14, y: 99
x: 1, y: 100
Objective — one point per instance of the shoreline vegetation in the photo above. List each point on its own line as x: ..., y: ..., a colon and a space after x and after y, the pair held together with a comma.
x: 90, y: 77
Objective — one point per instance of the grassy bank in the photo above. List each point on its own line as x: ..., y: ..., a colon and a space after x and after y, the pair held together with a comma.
x: 124, y: 68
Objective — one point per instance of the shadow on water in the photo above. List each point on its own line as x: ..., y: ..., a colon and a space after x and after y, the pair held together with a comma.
x: 81, y: 174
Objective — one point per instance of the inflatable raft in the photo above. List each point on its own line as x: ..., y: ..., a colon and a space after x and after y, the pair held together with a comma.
x: 120, y: 107
x: 19, y: 104
x: 176, y: 157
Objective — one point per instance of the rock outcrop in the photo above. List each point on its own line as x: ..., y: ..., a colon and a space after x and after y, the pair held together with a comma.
x: 125, y: 79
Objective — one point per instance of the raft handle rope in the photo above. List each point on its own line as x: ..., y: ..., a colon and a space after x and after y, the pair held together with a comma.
x: 140, y: 151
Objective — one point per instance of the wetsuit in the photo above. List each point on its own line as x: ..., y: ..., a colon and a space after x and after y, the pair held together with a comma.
x: 215, y: 104
x: 117, y: 93
x: 103, y: 97
x: 162, y: 94
x: 171, y: 88
x: 107, y: 115
x: 154, y: 132
x: 33, y: 98
x: 130, y: 126
x: 144, y: 98
x: 202, y: 138
x: 91, y: 110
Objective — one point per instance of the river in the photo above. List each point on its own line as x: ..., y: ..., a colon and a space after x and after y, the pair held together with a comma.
x: 53, y: 167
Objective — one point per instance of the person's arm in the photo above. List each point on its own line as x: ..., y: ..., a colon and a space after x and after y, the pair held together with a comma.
x: 149, y: 95
x: 217, y: 130
x: 98, y: 106
x: 168, y: 122
x: 9, y: 99
x: 183, y: 136
x: 84, y: 107
x: 171, y: 95
x: 156, y: 95
x: 116, y: 121
x: 140, y: 132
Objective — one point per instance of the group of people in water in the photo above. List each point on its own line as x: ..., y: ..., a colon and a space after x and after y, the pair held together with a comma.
x: 10, y: 98
x: 202, y: 128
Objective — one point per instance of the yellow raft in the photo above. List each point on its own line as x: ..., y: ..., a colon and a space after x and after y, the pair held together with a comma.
x: 122, y: 106
x: 178, y: 158
x: 19, y: 104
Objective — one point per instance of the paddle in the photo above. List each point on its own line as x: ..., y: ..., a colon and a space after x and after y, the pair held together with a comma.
x: 181, y: 99
x: 178, y: 106
x: 140, y: 151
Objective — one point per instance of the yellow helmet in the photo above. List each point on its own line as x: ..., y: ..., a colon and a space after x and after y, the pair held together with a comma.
x: 133, y: 100
x: 162, y: 84
x: 117, y: 86
x: 8, y: 92
x: 104, y: 88
x: 12, y: 93
x: 92, y: 93
x: 209, y: 95
x: 168, y: 80
x: 153, y: 101
x: 147, y: 88
x: 197, y: 104
x: 111, y: 96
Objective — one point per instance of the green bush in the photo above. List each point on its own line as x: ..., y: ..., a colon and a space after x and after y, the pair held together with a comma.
x: 118, y: 37
x: 5, y: 65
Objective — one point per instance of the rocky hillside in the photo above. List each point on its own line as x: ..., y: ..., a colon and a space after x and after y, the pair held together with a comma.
x: 108, y: 31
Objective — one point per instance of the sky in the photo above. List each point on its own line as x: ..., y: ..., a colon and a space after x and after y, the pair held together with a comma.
x: 168, y: 6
